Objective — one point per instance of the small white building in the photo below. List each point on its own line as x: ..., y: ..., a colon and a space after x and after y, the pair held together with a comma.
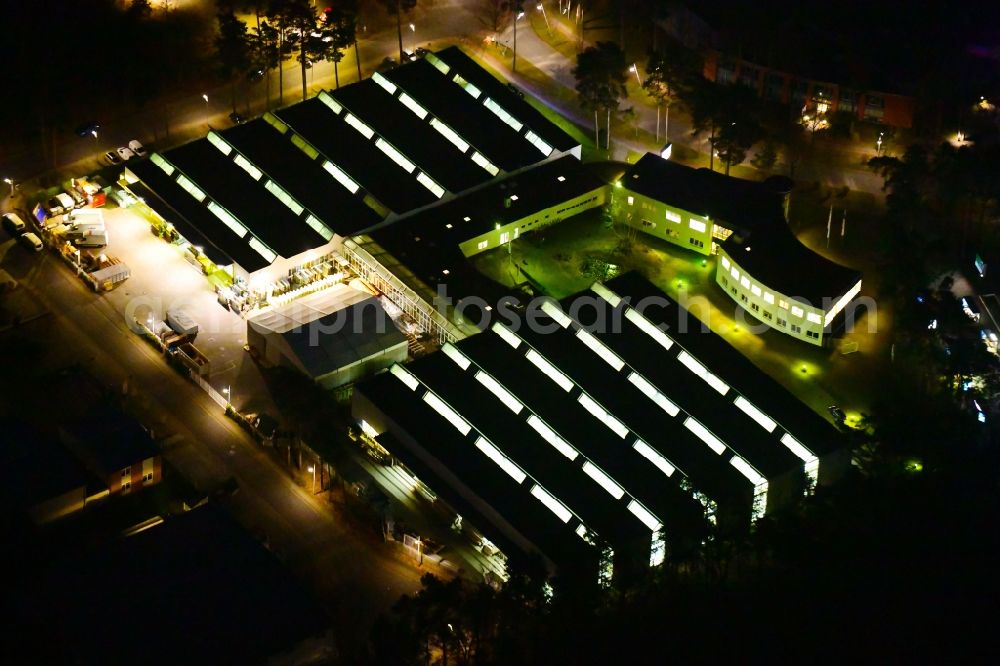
x: 334, y: 336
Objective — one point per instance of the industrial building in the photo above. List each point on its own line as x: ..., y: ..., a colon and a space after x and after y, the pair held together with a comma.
x: 600, y: 432
x: 333, y: 336
x: 282, y: 192
x: 761, y: 264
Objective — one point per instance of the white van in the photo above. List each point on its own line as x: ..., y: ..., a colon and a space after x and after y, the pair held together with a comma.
x: 13, y: 223
x: 32, y: 242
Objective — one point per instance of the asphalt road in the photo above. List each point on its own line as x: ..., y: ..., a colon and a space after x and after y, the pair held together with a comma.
x: 352, y: 573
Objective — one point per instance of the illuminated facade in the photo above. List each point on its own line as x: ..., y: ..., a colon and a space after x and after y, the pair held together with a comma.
x: 760, y: 264
x: 627, y: 439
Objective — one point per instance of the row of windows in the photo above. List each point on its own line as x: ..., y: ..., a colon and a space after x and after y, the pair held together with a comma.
x: 697, y: 225
x: 582, y: 203
x: 768, y: 297
x: 755, y: 307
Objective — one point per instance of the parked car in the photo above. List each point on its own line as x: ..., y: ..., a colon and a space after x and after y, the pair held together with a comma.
x: 387, y: 64
x: 13, y: 223
x: 255, y: 76
x: 31, y: 241
x: 237, y: 118
x: 837, y: 413
x: 137, y: 148
x: 111, y: 157
x: 61, y: 203
x: 421, y: 52
x: 88, y: 129
x: 125, y: 153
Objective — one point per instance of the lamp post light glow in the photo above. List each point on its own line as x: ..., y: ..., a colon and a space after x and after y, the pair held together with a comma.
x: 540, y: 7
x: 878, y: 144
x: 312, y: 470
x: 10, y: 181
x: 229, y: 397
x: 204, y: 96
x: 635, y: 70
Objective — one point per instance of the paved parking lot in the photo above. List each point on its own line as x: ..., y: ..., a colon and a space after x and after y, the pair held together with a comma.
x: 163, y: 278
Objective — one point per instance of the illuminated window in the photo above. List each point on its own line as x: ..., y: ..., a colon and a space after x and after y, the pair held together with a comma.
x: 219, y: 143
x: 649, y: 328
x: 452, y: 352
x: 482, y: 245
x: 782, y: 303
x: 331, y: 103
x: 735, y: 273
x: 603, y: 480
x: 553, y: 310
x: 725, y: 263
x: 601, y: 349
x: 341, y: 177
x: 540, y: 362
x: 502, y: 114
x: 190, y: 187
x: 814, y: 318
x: 550, y: 436
x: 644, y: 514
x: 426, y: 181
x: 450, y: 134
x: 388, y: 85
x: 602, y: 415
x: 745, y: 281
x: 631, y: 201
x: 506, y: 334
x: 449, y: 414
x: 439, y: 64
x: 653, y: 393
x: 357, y: 124
x: 554, y: 505
x: 164, y: 165
x: 228, y: 219
x: 395, y: 155
x: 502, y: 461
x: 697, y: 225
x: 705, y: 435
x: 405, y: 376
x: 491, y: 168
x: 413, y: 106
x: 755, y: 290
x: 695, y: 366
x: 537, y: 142
x: 762, y: 419
x: 283, y: 196
x: 611, y: 297
x: 769, y: 297
x: 304, y: 146
x: 673, y: 217
x: 497, y: 389
x: 650, y: 454
x: 319, y: 227
x: 505, y: 237
x: 797, y: 311
x: 263, y: 250
x: 561, y: 179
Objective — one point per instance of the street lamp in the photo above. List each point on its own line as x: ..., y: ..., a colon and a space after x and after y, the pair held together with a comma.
x: 312, y: 469
x: 635, y: 70
x: 878, y: 144
x: 229, y: 398
x: 10, y: 181
x: 413, y: 29
x: 204, y: 96
x: 540, y: 7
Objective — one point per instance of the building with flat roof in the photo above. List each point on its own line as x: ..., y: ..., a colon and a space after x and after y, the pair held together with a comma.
x: 263, y: 199
x: 608, y: 420
x: 333, y: 336
x: 761, y: 264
